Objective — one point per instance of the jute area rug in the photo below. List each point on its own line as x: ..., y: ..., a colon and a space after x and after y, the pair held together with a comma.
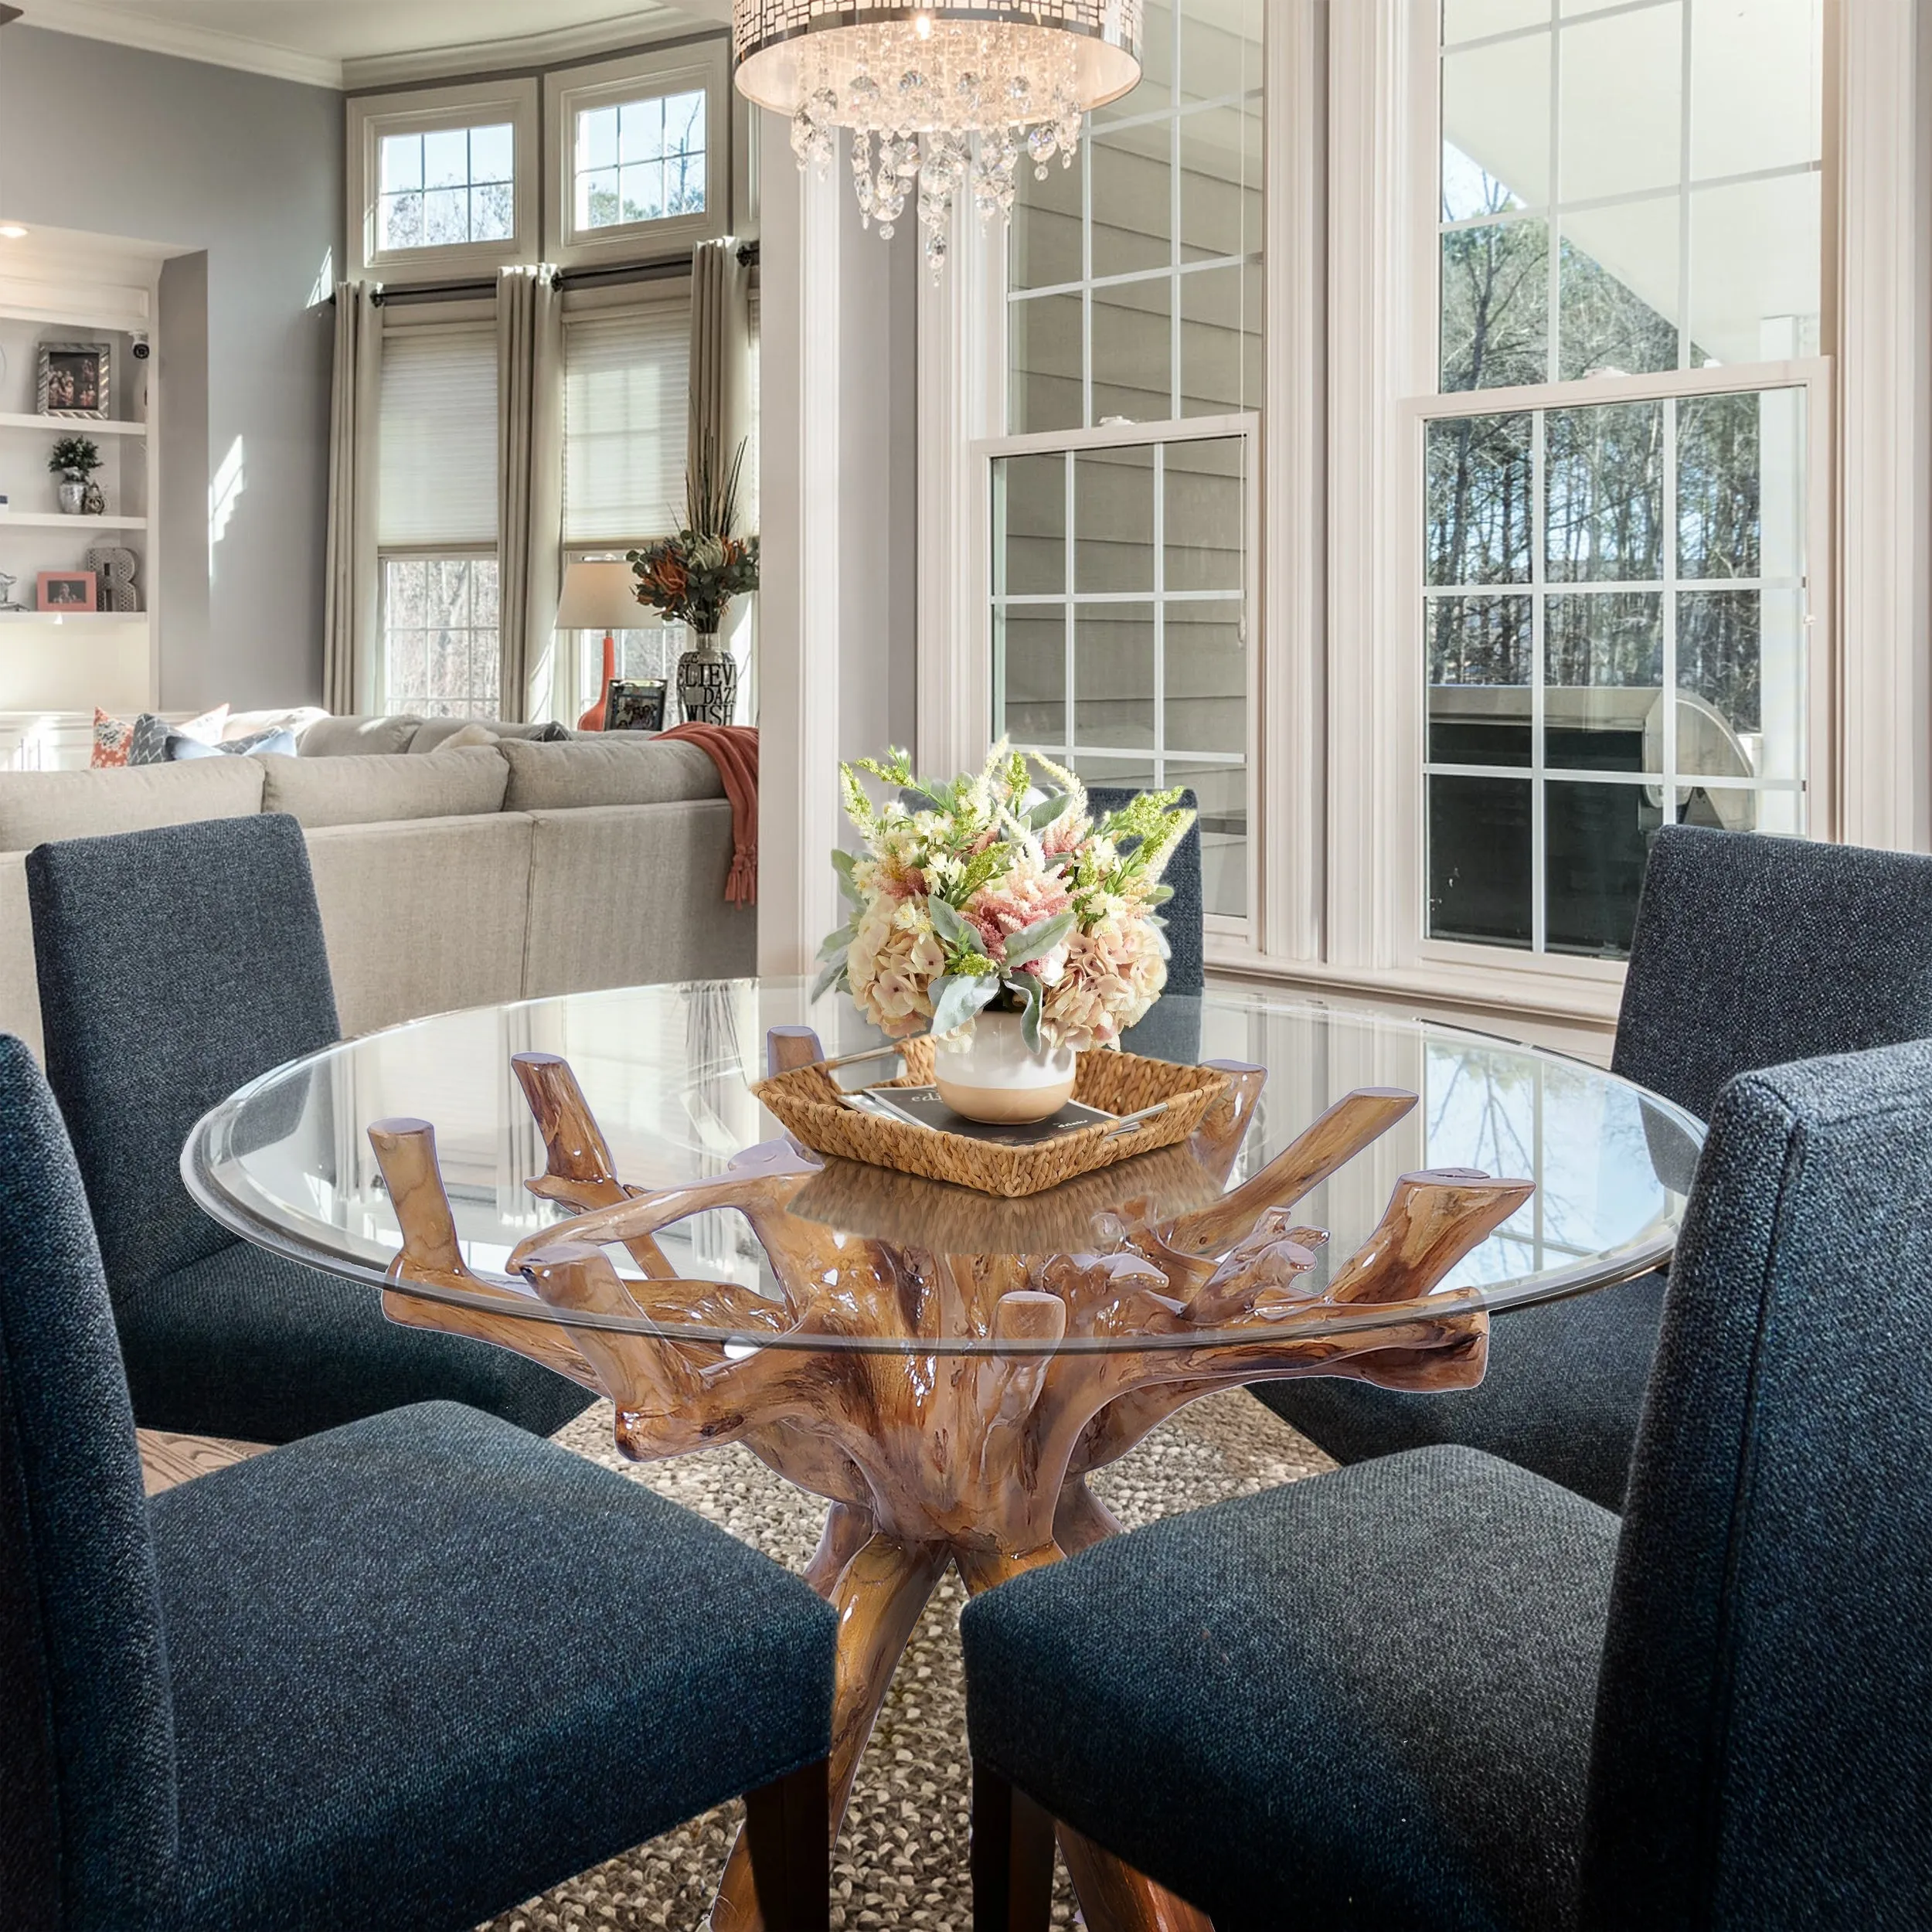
x: 901, y: 1859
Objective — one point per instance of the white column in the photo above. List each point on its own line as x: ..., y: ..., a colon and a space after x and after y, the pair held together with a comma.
x: 835, y: 477
x: 1884, y: 207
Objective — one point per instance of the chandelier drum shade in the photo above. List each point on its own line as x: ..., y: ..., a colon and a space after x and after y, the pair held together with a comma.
x: 939, y: 100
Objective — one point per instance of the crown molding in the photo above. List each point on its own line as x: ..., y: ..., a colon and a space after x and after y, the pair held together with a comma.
x: 643, y: 26
x: 126, y: 27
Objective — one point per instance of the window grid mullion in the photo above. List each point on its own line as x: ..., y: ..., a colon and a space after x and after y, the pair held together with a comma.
x: 1683, y: 195
x: 1538, y: 637
x: 1553, y: 236
x: 1067, y: 723
x: 1159, y: 694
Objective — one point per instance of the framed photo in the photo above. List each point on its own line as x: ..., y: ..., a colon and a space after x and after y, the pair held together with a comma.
x: 635, y: 705
x: 74, y: 378
x: 63, y: 591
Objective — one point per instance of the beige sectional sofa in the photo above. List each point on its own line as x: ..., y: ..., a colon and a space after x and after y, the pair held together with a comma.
x: 446, y: 878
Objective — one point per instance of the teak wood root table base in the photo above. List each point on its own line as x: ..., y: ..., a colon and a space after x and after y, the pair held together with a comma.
x: 951, y: 1405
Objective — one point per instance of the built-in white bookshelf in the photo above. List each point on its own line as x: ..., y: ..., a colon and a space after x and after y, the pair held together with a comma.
x: 67, y: 288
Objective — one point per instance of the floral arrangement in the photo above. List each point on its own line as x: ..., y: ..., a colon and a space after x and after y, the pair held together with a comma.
x: 75, y: 457
x: 984, y: 893
x: 692, y: 577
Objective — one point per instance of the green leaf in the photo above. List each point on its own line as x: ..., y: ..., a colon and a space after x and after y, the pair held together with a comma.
x: 1038, y: 939
x: 1160, y: 895
x: 1048, y: 809
x: 842, y: 863
x: 950, y: 927
x: 957, y: 999
x: 916, y: 800
x: 833, y: 975
x: 1029, y: 990
x: 836, y: 943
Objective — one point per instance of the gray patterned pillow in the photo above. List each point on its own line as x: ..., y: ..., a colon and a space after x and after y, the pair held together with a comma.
x: 148, y: 743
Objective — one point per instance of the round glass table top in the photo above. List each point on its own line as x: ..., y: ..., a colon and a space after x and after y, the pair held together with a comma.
x: 751, y: 1225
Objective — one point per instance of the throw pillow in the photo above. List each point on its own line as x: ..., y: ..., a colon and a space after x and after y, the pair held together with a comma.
x: 279, y: 743
x: 471, y: 734
x: 149, y: 744
x: 112, y: 738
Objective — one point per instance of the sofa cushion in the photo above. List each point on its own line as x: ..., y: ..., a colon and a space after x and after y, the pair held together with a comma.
x: 434, y: 732
x: 623, y: 769
x: 39, y: 806
x: 656, y: 877
x: 379, y: 790
x: 425, y: 917
x: 358, y: 737
x: 293, y: 718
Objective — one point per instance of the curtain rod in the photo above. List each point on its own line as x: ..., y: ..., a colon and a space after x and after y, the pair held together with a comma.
x: 664, y: 269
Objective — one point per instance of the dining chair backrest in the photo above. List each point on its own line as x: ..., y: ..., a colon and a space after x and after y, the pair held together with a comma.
x: 87, y: 1830
x: 1185, y: 913
x: 175, y: 965
x: 1763, y: 1733
x: 1751, y: 950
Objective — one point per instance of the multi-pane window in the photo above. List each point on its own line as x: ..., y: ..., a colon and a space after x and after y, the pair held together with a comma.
x: 639, y: 161
x: 1136, y: 273
x: 446, y: 187
x: 441, y: 654
x: 437, y: 522
x: 1120, y: 645
x: 1122, y: 590
x: 1615, y: 631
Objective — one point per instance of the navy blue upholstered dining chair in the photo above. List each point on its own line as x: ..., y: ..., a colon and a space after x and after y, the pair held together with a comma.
x: 175, y: 966
x: 1436, y: 1691
x: 401, y: 1675
x: 1749, y: 950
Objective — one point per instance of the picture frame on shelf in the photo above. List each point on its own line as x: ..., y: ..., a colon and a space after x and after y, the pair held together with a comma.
x: 635, y: 705
x: 75, y: 380
x: 66, y: 592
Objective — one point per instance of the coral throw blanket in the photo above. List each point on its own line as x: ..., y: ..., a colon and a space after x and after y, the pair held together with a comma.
x: 733, y: 749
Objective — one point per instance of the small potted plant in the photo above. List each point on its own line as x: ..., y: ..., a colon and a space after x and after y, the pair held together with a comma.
x: 1018, y: 927
x: 74, y: 461
x: 692, y: 577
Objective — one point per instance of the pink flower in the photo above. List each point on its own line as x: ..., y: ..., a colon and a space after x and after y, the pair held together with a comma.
x: 1010, y: 905
x: 1112, y: 975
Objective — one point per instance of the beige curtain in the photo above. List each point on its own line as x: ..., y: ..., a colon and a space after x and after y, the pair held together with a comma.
x: 720, y: 354
x: 721, y: 417
x: 351, y: 596
x: 529, y: 470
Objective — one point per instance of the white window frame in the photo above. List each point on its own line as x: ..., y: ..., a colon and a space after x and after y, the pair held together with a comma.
x: 424, y: 553
x: 1404, y: 675
x: 429, y: 110
x: 1350, y: 262
x: 1383, y: 234
x: 705, y: 67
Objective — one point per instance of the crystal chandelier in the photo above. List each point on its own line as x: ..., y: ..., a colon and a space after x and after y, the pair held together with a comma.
x: 937, y: 98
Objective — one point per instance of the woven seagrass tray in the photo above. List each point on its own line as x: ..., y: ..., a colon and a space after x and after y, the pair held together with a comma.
x: 807, y: 1100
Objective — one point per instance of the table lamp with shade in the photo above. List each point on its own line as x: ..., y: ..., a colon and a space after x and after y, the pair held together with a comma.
x: 599, y: 596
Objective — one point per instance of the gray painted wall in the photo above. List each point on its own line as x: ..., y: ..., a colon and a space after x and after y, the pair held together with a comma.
x: 248, y: 170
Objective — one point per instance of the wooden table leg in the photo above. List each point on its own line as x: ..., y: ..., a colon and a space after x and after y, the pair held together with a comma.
x: 879, y: 1599
x: 1114, y: 1896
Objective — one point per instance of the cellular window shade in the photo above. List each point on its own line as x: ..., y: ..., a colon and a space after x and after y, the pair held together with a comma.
x: 627, y: 405
x: 438, y: 438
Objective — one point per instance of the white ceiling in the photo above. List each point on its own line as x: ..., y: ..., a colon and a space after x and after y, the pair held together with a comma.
x: 367, y: 42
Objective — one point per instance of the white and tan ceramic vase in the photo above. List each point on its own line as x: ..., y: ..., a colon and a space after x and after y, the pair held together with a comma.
x: 986, y: 1072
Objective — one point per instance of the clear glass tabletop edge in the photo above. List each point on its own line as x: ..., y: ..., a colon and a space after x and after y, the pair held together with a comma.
x: 284, y: 1161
